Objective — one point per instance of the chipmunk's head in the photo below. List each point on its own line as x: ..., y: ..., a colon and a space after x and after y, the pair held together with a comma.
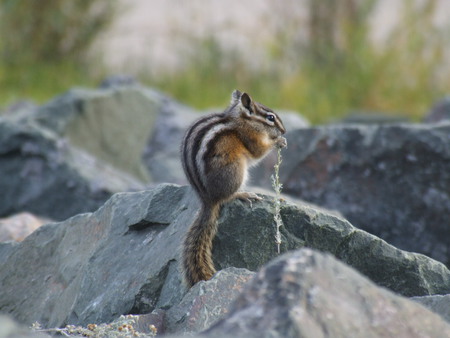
x: 256, y: 114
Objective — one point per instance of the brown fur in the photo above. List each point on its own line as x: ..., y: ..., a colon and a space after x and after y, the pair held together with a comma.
x: 197, y: 260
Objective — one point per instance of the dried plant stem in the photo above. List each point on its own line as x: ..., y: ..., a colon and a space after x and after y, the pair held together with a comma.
x: 277, y: 186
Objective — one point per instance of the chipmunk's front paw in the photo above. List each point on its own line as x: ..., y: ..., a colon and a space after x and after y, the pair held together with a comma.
x: 247, y: 196
x: 281, y: 142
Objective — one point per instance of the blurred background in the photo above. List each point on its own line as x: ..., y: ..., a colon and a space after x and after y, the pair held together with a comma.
x: 323, y: 58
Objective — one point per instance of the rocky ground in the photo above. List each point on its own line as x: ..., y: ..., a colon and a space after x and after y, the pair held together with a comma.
x: 365, y: 248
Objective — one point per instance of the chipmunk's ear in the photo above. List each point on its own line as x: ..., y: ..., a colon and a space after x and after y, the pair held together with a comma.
x: 247, y: 102
x: 235, y: 96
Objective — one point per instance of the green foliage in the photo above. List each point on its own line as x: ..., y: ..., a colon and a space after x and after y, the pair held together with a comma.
x: 41, y: 81
x: 51, y: 30
x: 44, y: 43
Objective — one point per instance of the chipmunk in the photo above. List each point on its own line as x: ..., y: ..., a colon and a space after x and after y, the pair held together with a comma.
x: 216, y: 153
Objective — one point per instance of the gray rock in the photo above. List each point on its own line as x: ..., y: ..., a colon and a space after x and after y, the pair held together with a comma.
x: 145, y: 322
x: 310, y: 294
x: 6, y: 248
x: 113, y: 124
x: 123, y: 258
x: 206, y: 302
x: 439, y: 112
x: 439, y: 304
x: 45, y: 175
x: 162, y: 152
x: 21, y: 108
x: 391, y: 180
x: 94, y: 267
x: 173, y: 290
x: 118, y: 80
x: 246, y: 239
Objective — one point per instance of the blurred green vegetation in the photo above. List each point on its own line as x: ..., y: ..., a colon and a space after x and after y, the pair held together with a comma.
x: 40, y: 81
x: 335, y: 70
x: 44, y: 45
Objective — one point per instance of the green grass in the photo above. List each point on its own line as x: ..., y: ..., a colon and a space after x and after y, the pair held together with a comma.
x: 40, y: 82
x: 44, y: 44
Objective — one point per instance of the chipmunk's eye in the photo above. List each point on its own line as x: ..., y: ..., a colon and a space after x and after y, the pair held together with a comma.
x: 270, y: 117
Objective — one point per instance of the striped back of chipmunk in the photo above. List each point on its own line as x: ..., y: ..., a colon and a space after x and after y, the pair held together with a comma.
x: 197, y: 141
x: 202, y: 135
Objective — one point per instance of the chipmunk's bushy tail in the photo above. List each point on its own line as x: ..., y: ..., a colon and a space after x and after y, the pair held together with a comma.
x: 197, y: 259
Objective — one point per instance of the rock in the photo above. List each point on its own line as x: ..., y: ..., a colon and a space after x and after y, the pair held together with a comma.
x: 155, y: 319
x: 123, y: 258
x: 439, y: 304
x: 310, y: 294
x: 391, y: 180
x: 439, y: 112
x: 207, y: 301
x: 6, y: 248
x: 20, y: 108
x: 94, y: 267
x: 42, y: 174
x: 119, y: 80
x: 252, y: 244
x: 112, y: 124
x: 19, y: 226
x: 162, y: 152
